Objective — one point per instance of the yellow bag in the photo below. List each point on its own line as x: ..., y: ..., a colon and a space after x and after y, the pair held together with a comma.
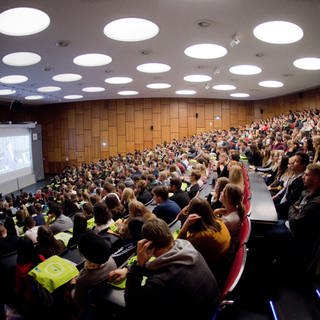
x: 54, y: 272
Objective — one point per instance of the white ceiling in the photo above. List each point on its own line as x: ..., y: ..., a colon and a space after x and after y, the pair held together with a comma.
x: 81, y: 22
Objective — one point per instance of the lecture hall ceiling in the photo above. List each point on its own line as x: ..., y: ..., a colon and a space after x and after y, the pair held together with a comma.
x: 228, y: 33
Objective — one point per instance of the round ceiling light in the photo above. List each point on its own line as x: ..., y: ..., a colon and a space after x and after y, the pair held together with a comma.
x: 23, y: 21
x: 197, y: 78
x: 271, y: 84
x: 186, y: 92
x: 73, y: 96
x: 118, y: 80
x: 205, y: 51
x: 21, y: 59
x: 6, y: 92
x: 245, y: 69
x: 153, y: 67
x: 131, y: 29
x: 240, y: 95
x: 278, y: 32
x: 92, y: 60
x: 13, y: 79
x: 158, y: 85
x: 34, y: 97
x: 128, y: 93
x: 93, y: 89
x: 49, y: 89
x: 224, y: 87
x: 67, y: 77
x: 307, y: 63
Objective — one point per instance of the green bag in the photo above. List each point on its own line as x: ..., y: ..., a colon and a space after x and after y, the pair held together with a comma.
x: 54, y: 272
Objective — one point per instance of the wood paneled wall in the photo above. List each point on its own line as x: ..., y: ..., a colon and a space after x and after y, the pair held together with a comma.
x: 269, y: 108
x: 88, y: 131
x: 91, y: 130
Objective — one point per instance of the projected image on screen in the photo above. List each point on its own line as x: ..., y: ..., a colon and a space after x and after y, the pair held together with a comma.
x: 15, y: 156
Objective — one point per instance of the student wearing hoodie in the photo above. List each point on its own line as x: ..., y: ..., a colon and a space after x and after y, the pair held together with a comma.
x: 178, y: 282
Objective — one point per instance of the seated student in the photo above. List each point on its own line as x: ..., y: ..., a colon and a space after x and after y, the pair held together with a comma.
x: 296, y: 240
x: 291, y: 193
x: 233, y: 211
x: 102, y: 218
x: 194, y: 183
x: 97, y: 266
x: 142, y: 194
x: 126, y: 197
x: 166, y: 209
x: 214, y: 197
x: 8, y: 243
x: 39, y: 217
x: 57, y: 221
x: 179, y: 196
x: 79, y: 228
x: 136, y: 210
x: 27, y: 258
x: 208, y: 234
x: 114, y: 205
x: 179, y: 284
x: 47, y: 244
x: 31, y: 230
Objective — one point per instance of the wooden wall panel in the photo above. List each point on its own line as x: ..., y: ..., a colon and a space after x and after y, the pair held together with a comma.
x: 77, y: 131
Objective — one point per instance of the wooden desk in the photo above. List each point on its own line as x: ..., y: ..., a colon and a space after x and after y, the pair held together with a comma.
x: 262, y: 206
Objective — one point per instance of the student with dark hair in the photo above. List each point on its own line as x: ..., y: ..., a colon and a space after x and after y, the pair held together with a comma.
x: 194, y: 185
x: 47, y: 244
x: 39, y: 217
x: 166, y: 209
x: 102, y: 218
x: 179, y: 284
x: 179, y: 196
x: 57, y: 221
x: 294, y: 187
x: 79, y: 228
x: 142, y: 193
x: 27, y: 258
x: 8, y: 243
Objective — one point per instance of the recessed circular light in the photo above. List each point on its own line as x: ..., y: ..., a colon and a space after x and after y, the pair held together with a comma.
x: 307, y: 63
x: 20, y: 59
x: 205, y: 51
x: 197, y: 78
x: 158, y: 85
x: 224, y: 87
x: 49, y: 89
x: 73, y: 96
x: 186, y: 92
x: 34, y: 97
x: 245, y: 69
x: 271, y: 84
x: 239, y: 95
x: 128, y: 93
x: 278, y: 32
x: 13, y: 79
x: 23, y: 21
x: 118, y: 80
x: 131, y: 29
x: 6, y: 92
x: 67, y: 77
x: 93, y: 89
x: 153, y: 67
x: 92, y: 60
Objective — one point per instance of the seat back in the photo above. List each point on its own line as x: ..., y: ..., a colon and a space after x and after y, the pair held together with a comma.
x: 8, y: 264
x: 245, y: 230
x: 235, y: 272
